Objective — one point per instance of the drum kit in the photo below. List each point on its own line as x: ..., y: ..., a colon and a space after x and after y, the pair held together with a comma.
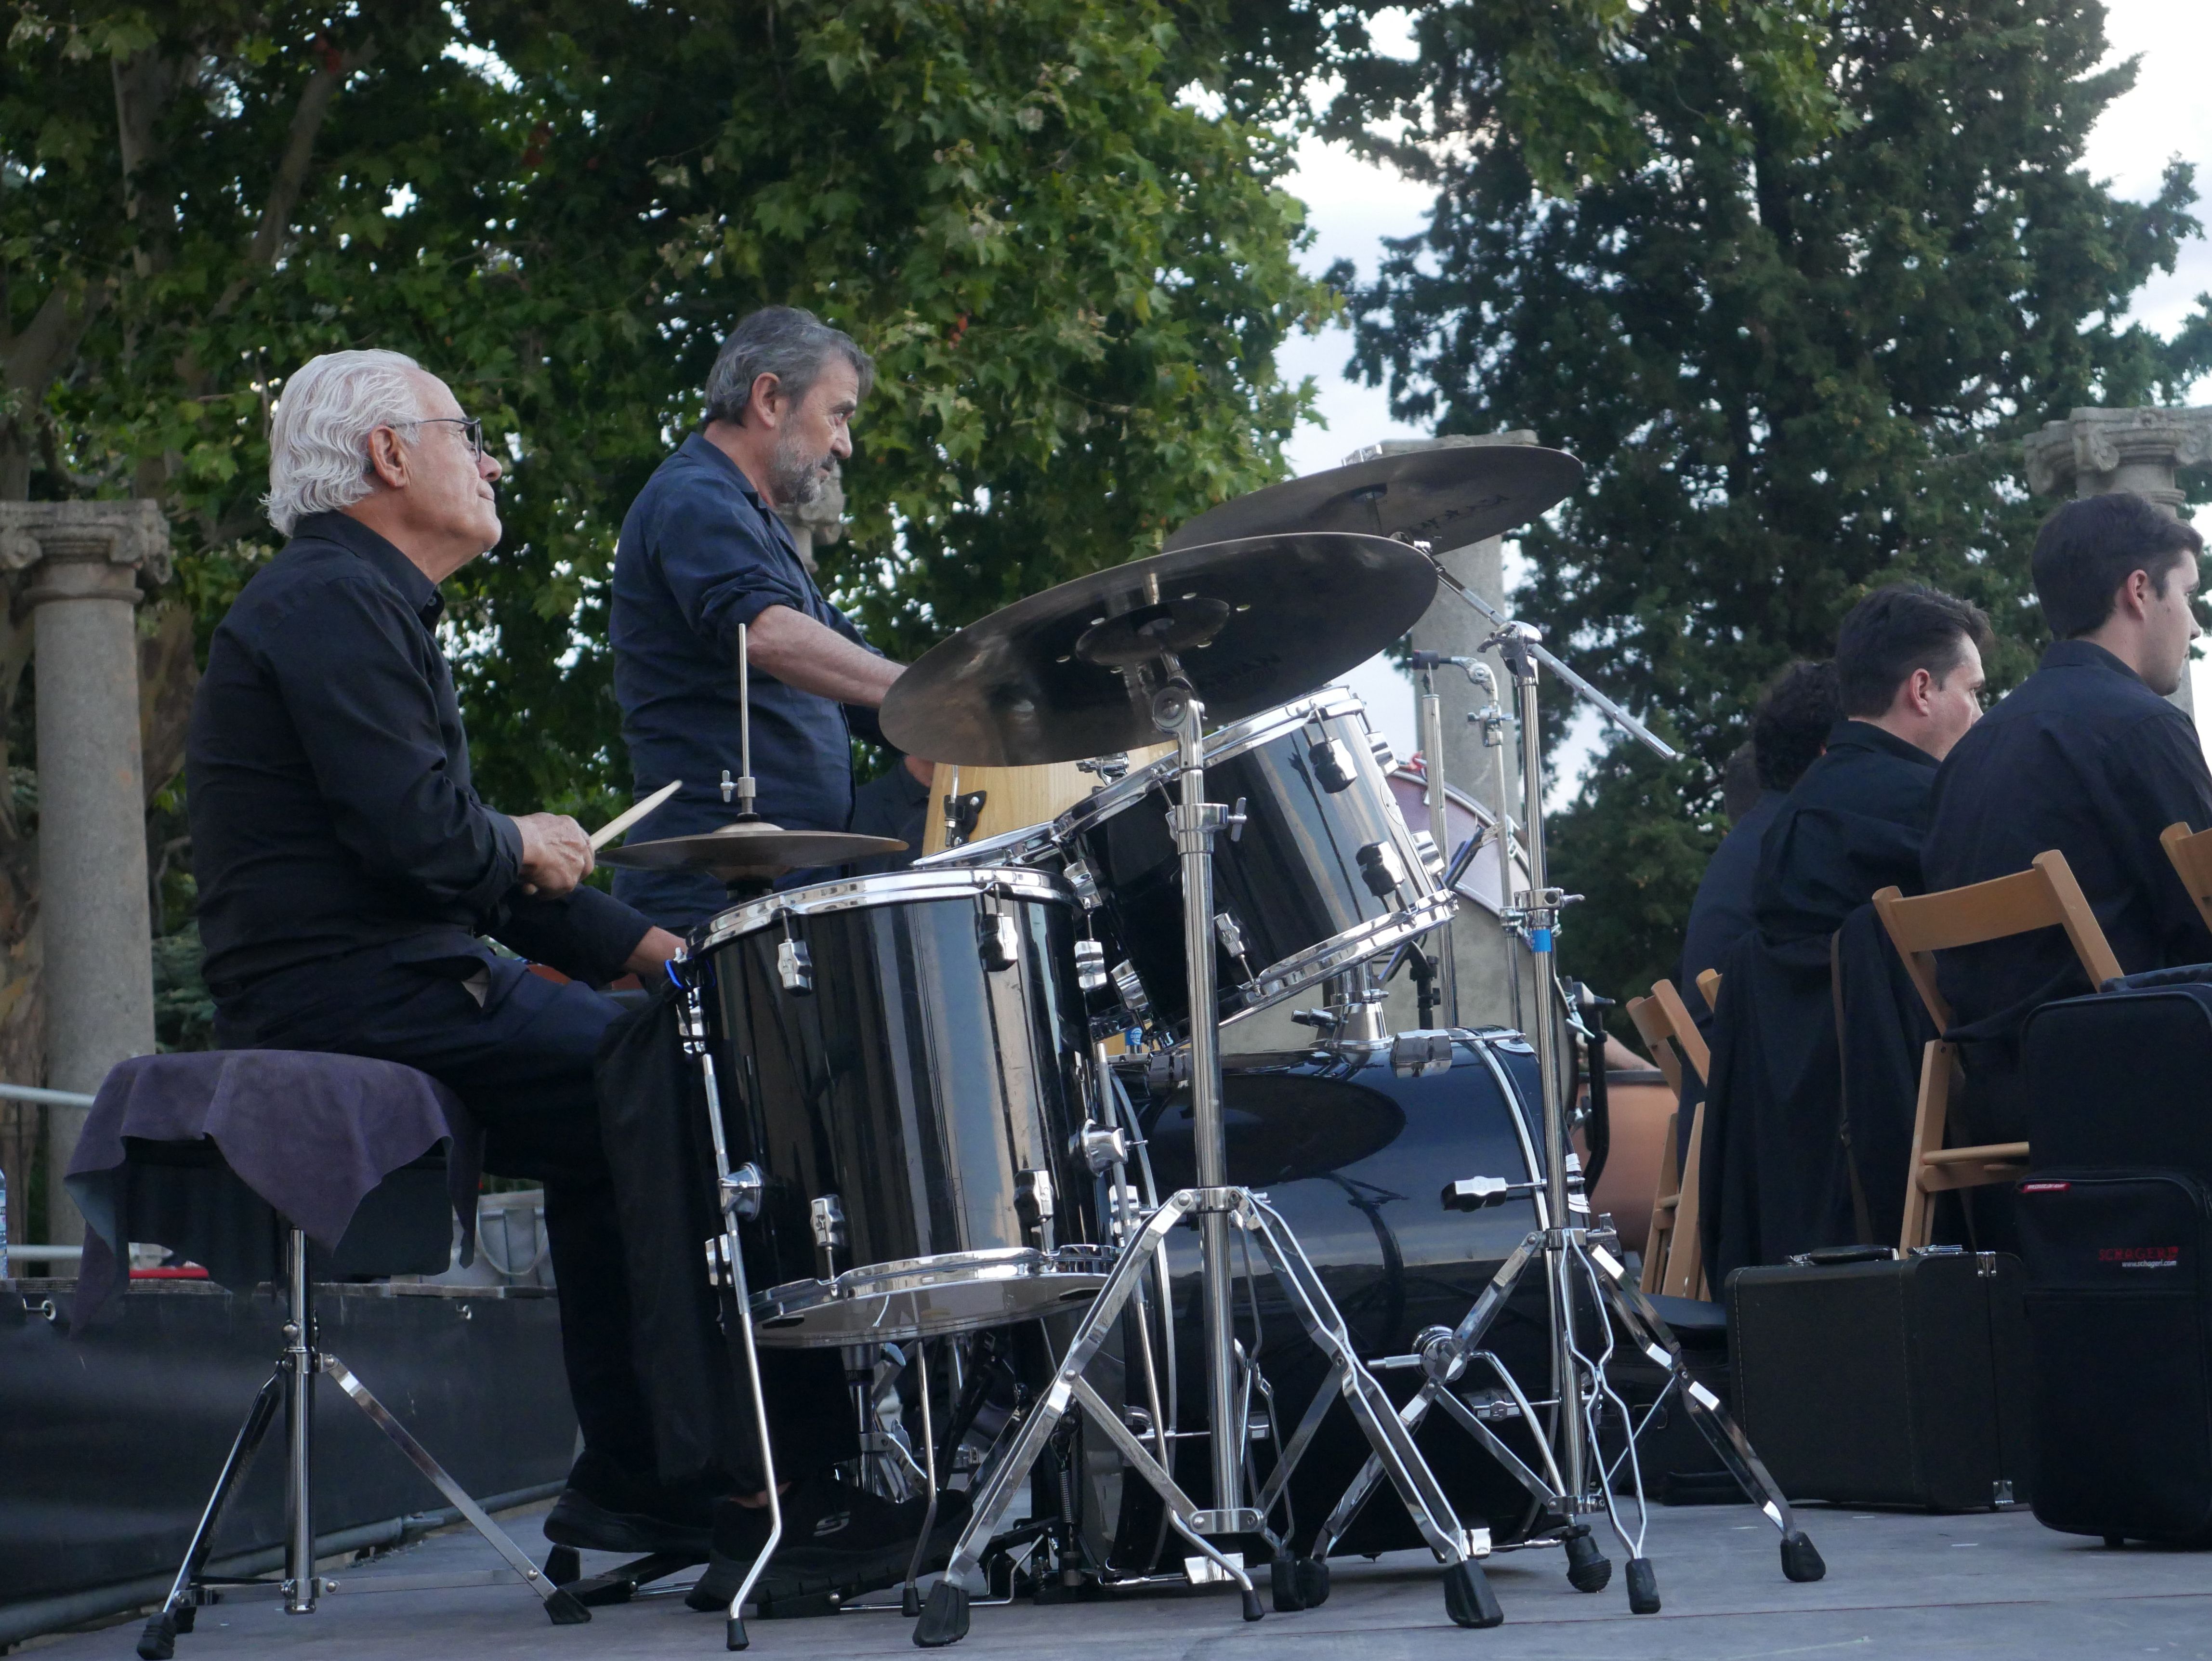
x: 987, y: 1094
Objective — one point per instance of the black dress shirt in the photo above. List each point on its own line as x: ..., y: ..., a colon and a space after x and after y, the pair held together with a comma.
x: 328, y: 785
x: 1721, y: 914
x: 2083, y: 757
x: 1852, y: 827
x: 701, y: 554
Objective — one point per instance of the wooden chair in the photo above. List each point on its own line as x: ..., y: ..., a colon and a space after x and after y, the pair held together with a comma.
x: 2045, y: 896
x: 2192, y: 853
x: 1709, y: 987
x: 1674, y: 1256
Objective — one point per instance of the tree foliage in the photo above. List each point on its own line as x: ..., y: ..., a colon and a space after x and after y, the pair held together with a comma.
x: 1795, y: 323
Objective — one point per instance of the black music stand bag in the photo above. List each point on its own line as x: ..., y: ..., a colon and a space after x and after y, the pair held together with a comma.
x: 1869, y: 1380
x: 2122, y: 1078
x: 2119, y: 1311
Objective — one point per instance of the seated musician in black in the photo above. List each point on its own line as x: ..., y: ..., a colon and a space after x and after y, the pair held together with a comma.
x: 1909, y: 678
x: 347, y: 868
x: 2085, y: 756
x: 1788, y: 731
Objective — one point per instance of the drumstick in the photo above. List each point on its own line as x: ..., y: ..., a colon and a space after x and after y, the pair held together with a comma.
x: 621, y: 822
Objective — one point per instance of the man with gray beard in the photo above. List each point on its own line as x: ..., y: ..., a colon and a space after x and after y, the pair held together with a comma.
x: 702, y: 553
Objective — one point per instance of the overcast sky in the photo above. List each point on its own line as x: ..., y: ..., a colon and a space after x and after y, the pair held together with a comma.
x: 1353, y: 206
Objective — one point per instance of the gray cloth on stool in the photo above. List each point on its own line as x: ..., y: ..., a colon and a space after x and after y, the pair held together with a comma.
x: 311, y: 1134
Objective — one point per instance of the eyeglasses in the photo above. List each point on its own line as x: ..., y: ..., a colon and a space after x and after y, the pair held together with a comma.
x: 471, y: 428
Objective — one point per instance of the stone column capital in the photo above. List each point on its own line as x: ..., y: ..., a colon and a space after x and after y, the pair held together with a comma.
x: 2094, y: 451
x: 83, y: 550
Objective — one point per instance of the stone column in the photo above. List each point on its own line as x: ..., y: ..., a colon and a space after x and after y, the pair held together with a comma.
x: 80, y: 564
x: 2099, y: 451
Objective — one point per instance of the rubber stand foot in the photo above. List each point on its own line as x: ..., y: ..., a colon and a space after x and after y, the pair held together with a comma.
x: 734, y: 1634
x: 185, y: 1616
x: 1589, y: 1569
x: 1252, y: 1609
x: 1468, y: 1596
x: 563, y: 1566
x: 159, y: 1641
x: 1283, y: 1582
x: 1643, y: 1587
x: 1313, y: 1582
x: 910, y: 1600
x: 944, y: 1615
x: 564, y: 1610
x: 1800, y: 1562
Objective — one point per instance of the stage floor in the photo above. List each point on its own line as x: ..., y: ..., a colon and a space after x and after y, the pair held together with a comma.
x: 1897, y: 1586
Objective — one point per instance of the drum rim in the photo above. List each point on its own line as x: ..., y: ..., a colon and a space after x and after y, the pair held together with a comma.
x: 883, y: 888
x: 1011, y: 841
x: 1222, y: 745
x: 795, y: 1301
x: 1279, y: 980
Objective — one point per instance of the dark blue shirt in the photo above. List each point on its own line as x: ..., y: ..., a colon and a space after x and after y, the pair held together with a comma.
x: 1852, y: 827
x: 328, y: 786
x: 2083, y: 757
x: 701, y: 554
x: 1721, y: 914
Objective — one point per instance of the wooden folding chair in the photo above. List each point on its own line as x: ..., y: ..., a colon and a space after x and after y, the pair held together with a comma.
x: 2192, y: 853
x: 2045, y: 896
x: 1673, y: 1257
x: 1709, y: 987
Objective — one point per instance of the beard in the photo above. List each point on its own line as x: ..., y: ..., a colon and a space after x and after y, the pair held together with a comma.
x: 798, y: 475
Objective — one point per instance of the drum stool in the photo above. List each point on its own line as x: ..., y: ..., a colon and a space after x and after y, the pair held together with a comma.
x: 401, y: 1226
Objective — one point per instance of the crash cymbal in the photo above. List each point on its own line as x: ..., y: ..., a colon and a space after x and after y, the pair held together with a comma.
x: 757, y: 850
x: 1447, y: 497
x: 1068, y: 673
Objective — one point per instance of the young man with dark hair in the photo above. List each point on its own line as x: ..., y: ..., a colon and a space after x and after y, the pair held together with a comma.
x: 2088, y: 756
x: 1908, y: 676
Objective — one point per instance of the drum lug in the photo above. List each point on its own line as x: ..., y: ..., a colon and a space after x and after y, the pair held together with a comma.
x: 962, y: 815
x: 1432, y: 857
x: 826, y: 1216
x: 1417, y: 1055
x: 794, y: 968
x: 1385, y: 872
x: 1033, y: 1203
x: 1385, y: 758
x: 1078, y: 878
x: 1331, y: 761
x: 997, y: 940
x: 718, y: 1260
x: 741, y: 1193
x: 1231, y: 935
x: 1090, y: 966
x: 1130, y: 990
x: 1102, y: 1148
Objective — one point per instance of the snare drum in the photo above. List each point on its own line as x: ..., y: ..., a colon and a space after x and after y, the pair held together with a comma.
x: 905, y: 1057
x: 1321, y: 873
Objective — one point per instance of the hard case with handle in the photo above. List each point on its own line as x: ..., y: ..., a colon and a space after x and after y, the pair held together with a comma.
x: 1871, y: 1379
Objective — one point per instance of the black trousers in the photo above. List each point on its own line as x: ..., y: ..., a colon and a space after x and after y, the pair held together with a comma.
x: 521, y: 1060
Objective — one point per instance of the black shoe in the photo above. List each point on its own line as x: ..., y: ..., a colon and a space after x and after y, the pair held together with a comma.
x: 837, y: 1540
x: 602, y: 1509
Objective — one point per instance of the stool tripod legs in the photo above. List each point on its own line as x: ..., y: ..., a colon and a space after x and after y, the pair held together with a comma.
x: 159, y: 1640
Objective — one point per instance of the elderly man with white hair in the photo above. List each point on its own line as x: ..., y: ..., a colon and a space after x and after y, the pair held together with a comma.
x: 348, y: 871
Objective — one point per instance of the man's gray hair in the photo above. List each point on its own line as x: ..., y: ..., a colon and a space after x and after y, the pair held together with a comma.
x: 319, y: 442
x: 785, y: 341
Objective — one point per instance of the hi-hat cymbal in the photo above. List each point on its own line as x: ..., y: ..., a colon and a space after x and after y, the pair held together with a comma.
x: 1066, y: 674
x: 737, y: 852
x: 1447, y: 497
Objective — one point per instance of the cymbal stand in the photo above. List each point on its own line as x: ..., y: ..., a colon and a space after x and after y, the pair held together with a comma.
x: 1217, y: 1206
x: 1578, y: 1267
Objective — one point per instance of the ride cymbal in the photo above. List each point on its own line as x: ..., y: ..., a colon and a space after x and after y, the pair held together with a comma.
x: 1069, y: 674
x: 1447, y: 497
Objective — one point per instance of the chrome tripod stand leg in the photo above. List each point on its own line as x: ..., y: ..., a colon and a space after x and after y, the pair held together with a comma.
x: 1468, y: 1596
x: 564, y: 1609
x: 944, y: 1615
x: 159, y: 1640
x: 739, y: 1194
x: 1182, y: 1515
x: 1800, y: 1560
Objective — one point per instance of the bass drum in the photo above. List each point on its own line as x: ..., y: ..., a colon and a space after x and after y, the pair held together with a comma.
x: 906, y: 1058
x: 1355, y: 1158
